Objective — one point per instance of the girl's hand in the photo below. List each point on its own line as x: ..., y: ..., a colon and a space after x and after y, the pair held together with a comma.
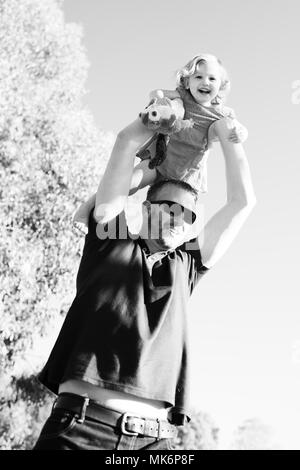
x: 238, y: 134
x: 171, y: 94
x: 156, y: 94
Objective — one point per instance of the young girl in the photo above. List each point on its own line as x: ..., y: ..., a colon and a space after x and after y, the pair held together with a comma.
x: 202, y: 85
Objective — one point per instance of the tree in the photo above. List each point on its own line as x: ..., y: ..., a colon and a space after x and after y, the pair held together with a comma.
x: 51, y: 157
x: 253, y: 434
x: 200, y: 434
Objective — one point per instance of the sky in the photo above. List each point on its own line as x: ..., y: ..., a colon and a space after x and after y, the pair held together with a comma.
x: 244, y: 314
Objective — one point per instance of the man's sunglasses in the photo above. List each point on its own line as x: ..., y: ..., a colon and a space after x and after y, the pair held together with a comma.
x: 176, y: 209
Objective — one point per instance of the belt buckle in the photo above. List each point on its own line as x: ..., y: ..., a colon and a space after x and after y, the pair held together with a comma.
x: 123, y: 423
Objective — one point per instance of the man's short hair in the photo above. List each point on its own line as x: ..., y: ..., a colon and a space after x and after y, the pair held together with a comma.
x: 181, y: 184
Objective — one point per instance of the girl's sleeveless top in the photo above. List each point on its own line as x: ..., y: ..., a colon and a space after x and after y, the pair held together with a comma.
x: 187, y: 149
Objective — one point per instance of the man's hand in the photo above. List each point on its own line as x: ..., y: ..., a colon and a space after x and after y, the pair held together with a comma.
x: 238, y: 134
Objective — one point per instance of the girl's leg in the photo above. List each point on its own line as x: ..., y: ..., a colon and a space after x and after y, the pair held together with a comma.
x: 142, y: 176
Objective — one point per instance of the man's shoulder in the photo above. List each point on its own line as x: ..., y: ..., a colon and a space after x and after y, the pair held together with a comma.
x: 193, y: 255
x: 105, y: 237
x: 115, y: 229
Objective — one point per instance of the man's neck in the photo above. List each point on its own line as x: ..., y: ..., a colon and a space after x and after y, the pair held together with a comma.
x: 154, y: 247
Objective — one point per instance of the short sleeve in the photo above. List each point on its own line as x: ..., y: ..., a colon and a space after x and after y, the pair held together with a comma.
x: 114, y: 230
x: 196, y: 268
x: 99, y: 238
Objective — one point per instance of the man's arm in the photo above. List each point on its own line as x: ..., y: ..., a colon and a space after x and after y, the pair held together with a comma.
x: 220, y: 231
x: 114, y: 186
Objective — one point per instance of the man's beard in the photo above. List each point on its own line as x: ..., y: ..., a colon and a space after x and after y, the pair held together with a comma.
x: 167, y: 240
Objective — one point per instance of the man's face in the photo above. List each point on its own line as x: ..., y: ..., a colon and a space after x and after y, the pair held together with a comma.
x: 205, y: 83
x: 169, y: 220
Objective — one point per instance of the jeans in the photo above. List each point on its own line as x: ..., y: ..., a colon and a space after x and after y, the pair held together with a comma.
x: 62, y: 431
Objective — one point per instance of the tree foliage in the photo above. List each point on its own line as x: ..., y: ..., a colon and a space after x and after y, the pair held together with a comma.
x: 253, y: 434
x: 51, y: 158
x: 200, y: 434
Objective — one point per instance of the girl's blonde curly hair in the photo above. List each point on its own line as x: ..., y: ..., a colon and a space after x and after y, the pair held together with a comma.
x: 189, y: 69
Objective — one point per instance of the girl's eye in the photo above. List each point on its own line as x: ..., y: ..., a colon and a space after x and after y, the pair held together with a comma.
x: 212, y: 78
x: 199, y: 76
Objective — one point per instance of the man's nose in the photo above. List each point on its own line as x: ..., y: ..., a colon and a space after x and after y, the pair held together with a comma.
x: 178, y: 220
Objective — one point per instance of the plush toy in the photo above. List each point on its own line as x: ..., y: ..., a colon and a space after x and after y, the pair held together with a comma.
x: 166, y: 117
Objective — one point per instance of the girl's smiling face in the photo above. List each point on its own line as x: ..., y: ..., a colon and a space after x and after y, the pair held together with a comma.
x: 205, y: 83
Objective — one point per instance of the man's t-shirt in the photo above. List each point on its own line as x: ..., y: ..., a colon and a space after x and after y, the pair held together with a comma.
x: 126, y: 329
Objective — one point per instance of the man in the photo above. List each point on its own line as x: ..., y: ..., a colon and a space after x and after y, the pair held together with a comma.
x: 120, y: 363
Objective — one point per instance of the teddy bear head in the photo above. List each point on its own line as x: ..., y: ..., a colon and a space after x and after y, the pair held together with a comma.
x: 159, y: 115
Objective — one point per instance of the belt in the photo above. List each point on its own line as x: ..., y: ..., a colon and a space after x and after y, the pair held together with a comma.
x: 129, y: 424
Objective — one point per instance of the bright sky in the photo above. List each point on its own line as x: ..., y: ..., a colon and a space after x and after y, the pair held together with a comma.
x: 245, y: 327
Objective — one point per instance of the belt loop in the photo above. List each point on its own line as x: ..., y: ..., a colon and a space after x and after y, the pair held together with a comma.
x: 158, y: 429
x: 83, y: 410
